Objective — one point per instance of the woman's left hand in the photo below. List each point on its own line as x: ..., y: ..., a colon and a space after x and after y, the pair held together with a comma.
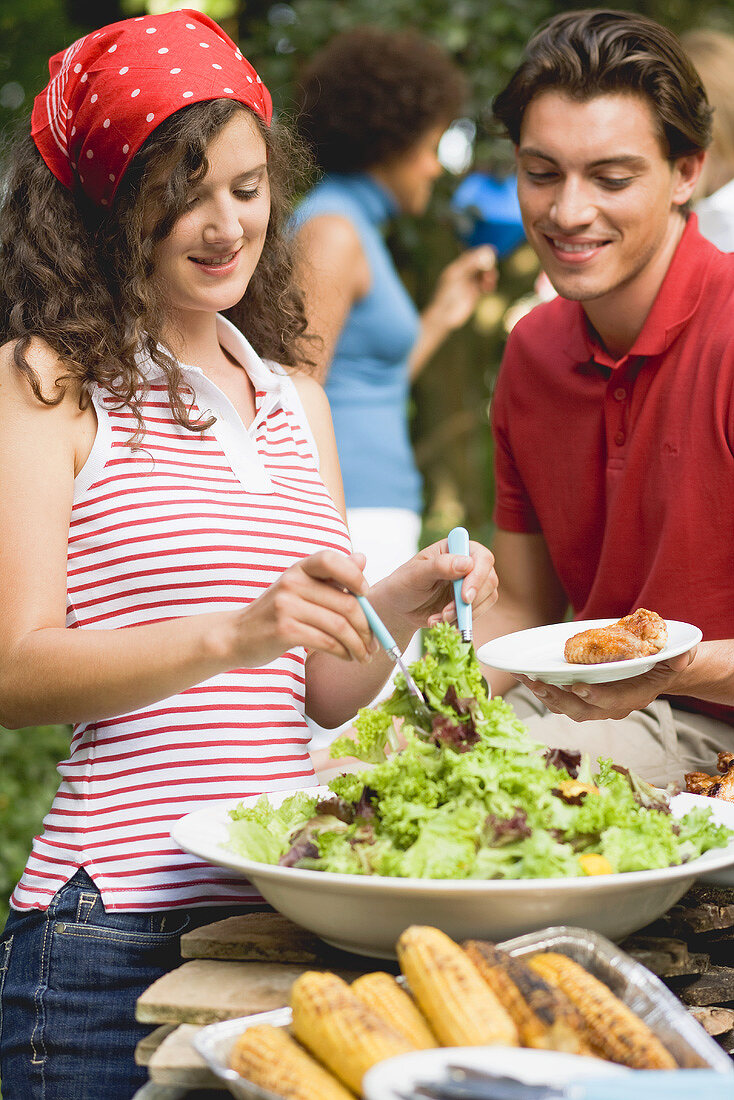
x: 421, y: 591
x: 462, y: 283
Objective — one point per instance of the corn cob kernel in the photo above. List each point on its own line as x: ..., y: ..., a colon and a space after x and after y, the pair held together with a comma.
x: 268, y: 1057
x: 341, y: 1030
x: 593, y: 864
x: 544, y: 1017
x: 459, y: 1006
x: 614, y: 1031
x: 383, y: 995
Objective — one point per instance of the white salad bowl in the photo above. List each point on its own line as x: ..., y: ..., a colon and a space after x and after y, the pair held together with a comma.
x: 366, y: 913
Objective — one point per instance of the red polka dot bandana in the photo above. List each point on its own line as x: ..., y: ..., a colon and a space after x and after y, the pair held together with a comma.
x: 109, y: 90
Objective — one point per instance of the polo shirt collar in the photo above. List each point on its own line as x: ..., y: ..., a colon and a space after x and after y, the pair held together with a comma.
x: 266, y: 378
x: 239, y: 444
x: 675, y: 304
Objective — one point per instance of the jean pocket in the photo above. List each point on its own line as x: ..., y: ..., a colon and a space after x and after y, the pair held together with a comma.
x: 126, y: 928
x: 5, y: 948
x: 120, y: 955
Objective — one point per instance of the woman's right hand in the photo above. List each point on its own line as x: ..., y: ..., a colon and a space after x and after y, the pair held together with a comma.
x: 462, y: 283
x: 308, y: 606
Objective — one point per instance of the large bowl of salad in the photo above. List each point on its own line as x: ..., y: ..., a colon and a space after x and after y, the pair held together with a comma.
x: 471, y: 826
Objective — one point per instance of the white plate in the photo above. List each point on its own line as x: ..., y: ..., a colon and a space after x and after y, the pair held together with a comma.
x: 538, y: 653
x: 396, y: 1077
x: 367, y: 913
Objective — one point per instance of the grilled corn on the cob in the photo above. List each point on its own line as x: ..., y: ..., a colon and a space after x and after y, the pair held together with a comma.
x: 383, y: 995
x: 268, y: 1057
x: 614, y: 1031
x: 544, y: 1017
x: 340, y: 1029
x: 459, y: 1006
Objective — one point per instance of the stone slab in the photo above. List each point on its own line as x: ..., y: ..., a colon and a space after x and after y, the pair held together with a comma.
x: 716, y: 1021
x: 256, y: 937
x: 266, y: 937
x: 704, y: 909
x: 712, y: 988
x: 175, y: 1062
x: 206, y: 990
x: 144, y: 1049
x: 666, y: 956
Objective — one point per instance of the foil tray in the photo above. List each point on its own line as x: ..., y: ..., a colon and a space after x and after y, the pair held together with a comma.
x: 629, y: 980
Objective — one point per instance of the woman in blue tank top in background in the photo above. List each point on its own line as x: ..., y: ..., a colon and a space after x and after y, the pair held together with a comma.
x: 374, y: 105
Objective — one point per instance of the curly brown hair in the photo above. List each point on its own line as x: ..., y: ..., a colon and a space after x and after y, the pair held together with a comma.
x: 79, y: 276
x: 370, y: 94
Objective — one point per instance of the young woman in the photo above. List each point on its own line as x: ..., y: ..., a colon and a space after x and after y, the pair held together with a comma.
x: 176, y: 575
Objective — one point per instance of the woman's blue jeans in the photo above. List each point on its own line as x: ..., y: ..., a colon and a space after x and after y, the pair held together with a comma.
x: 69, y: 980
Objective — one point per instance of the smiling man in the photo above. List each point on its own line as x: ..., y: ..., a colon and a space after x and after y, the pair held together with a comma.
x: 613, y: 414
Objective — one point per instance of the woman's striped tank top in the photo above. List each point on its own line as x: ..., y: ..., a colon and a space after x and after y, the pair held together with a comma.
x: 187, y: 524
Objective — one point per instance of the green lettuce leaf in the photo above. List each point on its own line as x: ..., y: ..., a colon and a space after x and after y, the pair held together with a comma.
x: 262, y: 832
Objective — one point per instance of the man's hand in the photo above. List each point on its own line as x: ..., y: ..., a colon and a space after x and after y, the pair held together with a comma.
x: 614, y: 699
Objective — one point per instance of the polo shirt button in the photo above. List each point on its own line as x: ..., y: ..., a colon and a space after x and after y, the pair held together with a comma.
x: 619, y: 438
x: 620, y: 394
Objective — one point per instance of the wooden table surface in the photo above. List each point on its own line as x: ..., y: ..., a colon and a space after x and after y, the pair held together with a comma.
x: 246, y: 964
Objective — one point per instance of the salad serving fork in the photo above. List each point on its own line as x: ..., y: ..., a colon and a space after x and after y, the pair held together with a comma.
x: 458, y: 540
x: 384, y: 637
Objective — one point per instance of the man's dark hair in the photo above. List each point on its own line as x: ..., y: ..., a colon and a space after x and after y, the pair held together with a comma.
x: 596, y: 52
x: 371, y: 94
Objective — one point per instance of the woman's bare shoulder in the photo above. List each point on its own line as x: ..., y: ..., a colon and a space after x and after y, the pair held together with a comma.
x: 48, y: 367
x: 316, y: 407
x: 311, y: 392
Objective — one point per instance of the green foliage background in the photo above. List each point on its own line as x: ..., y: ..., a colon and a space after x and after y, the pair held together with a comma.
x: 28, y: 780
x: 450, y: 416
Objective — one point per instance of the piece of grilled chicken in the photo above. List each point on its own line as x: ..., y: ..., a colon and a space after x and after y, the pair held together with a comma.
x: 714, y: 786
x: 637, y: 635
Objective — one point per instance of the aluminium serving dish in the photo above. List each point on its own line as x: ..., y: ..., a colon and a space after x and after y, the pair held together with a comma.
x: 640, y: 990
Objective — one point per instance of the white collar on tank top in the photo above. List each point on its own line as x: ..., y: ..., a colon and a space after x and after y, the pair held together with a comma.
x: 238, y: 443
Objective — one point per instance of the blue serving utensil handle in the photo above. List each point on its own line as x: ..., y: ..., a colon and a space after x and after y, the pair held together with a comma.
x: 459, y: 544
x: 377, y: 626
x: 388, y: 643
x: 676, y: 1084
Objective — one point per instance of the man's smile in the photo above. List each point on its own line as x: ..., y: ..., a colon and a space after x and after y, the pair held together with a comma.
x: 576, y: 246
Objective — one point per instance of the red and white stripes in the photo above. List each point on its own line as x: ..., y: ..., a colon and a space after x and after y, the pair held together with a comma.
x: 187, y: 524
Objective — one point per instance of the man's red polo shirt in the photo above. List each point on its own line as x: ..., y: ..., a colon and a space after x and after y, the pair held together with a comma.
x: 627, y: 468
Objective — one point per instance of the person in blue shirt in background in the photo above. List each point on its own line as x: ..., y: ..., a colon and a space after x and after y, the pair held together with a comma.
x: 374, y: 105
